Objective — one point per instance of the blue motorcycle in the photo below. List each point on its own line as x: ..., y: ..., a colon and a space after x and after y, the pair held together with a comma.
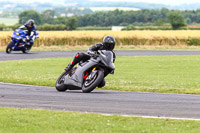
x: 20, y: 42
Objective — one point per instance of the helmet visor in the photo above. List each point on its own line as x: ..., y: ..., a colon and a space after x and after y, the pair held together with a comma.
x: 109, y: 46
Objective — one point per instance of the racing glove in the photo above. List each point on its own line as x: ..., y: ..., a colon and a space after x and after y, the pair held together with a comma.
x: 91, y: 52
x: 27, y: 38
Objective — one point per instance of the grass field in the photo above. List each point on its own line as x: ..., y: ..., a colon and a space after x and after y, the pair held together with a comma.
x: 8, y: 21
x: 169, y: 74
x: 130, y: 39
x: 34, y: 121
x: 119, y: 34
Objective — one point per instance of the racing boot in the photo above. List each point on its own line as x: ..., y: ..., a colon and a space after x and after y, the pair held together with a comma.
x: 73, y: 63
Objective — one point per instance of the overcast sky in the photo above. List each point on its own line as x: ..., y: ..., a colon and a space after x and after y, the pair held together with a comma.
x: 168, y: 2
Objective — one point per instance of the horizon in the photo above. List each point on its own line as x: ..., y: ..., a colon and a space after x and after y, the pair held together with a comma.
x: 169, y: 2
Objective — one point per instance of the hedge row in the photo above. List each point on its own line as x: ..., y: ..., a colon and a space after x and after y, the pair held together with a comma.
x: 61, y: 27
x: 94, y: 28
x: 45, y: 27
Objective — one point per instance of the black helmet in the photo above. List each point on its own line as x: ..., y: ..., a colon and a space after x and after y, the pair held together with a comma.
x: 109, y: 42
x: 30, y: 22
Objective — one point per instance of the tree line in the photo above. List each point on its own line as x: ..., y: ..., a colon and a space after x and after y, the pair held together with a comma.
x: 48, y: 18
x: 137, y: 18
x: 115, y: 18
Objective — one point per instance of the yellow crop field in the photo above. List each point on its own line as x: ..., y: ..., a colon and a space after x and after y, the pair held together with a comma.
x: 123, y: 38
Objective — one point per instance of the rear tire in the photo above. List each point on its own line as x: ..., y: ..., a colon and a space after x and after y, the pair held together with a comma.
x: 88, y: 87
x: 9, y: 47
x: 60, y: 86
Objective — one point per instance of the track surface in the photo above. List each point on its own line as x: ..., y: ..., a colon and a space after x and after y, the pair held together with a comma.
x: 99, y: 101
x: 48, y: 54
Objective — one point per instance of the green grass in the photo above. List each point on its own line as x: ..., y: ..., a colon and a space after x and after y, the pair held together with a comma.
x: 83, y: 48
x: 169, y: 74
x: 8, y: 21
x: 43, y: 121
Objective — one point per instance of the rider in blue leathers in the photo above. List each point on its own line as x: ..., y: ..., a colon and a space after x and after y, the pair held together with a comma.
x: 31, y: 30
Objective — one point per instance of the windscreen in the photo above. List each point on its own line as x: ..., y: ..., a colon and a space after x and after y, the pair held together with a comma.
x: 107, y: 59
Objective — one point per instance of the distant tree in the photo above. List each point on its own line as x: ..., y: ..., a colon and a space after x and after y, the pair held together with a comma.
x: 130, y: 27
x: 60, y: 20
x: 72, y: 23
x: 47, y: 16
x: 198, y: 17
x: 188, y: 20
x: 159, y: 22
x: 30, y: 14
x: 176, y: 19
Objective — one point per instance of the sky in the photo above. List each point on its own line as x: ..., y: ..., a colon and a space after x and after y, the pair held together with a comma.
x: 167, y: 2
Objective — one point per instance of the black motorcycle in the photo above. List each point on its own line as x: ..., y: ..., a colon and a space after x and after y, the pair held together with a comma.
x: 89, y: 74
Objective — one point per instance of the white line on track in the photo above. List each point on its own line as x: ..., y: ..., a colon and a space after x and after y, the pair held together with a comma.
x: 154, y: 117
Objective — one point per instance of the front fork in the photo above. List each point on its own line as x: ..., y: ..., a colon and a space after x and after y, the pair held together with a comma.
x: 91, y: 75
x: 15, y: 44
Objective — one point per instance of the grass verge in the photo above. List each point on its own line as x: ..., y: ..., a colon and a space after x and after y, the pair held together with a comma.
x: 84, y: 47
x: 168, y: 74
x: 44, y: 121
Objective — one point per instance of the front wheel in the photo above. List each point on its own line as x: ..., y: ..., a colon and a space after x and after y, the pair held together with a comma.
x: 26, y: 49
x: 9, y: 47
x: 90, y: 84
x: 60, y: 86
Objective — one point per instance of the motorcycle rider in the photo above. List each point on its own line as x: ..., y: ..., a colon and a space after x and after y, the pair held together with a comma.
x: 107, y: 44
x: 31, y: 30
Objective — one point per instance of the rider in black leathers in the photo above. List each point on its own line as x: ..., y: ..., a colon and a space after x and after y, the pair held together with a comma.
x: 31, y: 30
x: 107, y: 44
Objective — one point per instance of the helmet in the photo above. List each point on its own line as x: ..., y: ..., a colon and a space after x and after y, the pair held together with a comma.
x: 30, y: 23
x: 109, y: 42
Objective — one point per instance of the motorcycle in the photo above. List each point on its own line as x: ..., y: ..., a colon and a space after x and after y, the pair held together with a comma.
x: 89, y: 74
x: 19, y: 42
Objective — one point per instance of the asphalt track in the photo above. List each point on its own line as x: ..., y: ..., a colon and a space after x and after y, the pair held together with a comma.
x: 99, y: 101
x: 49, y: 54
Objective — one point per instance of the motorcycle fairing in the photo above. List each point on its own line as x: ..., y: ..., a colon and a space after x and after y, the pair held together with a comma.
x: 17, y: 38
x: 107, y: 59
x: 76, y: 80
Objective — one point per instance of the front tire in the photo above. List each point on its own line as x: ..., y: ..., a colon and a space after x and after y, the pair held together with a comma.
x: 26, y: 49
x: 9, y: 47
x: 89, y: 86
x: 60, y: 86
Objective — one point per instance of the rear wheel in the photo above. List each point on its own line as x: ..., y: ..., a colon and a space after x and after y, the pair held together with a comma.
x: 60, y: 86
x: 9, y: 47
x: 91, y: 83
